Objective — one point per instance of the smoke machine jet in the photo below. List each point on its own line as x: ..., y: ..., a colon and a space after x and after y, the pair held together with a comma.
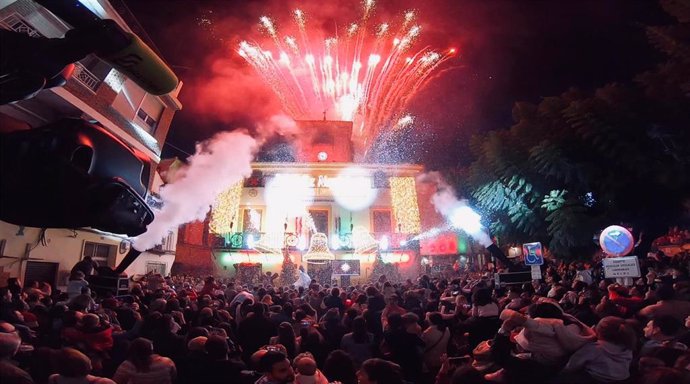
x: 367, y: 75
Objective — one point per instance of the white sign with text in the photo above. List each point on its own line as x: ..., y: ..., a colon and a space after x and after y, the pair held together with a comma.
x: 615, y: 267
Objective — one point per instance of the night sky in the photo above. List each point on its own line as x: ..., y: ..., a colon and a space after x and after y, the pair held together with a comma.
x: 509, y: 51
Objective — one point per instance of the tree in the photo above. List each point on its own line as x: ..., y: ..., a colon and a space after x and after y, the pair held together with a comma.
x: 288, y: 271
x: 577, y: 162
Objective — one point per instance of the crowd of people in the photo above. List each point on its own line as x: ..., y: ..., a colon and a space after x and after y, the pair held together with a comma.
x: 573, y: 326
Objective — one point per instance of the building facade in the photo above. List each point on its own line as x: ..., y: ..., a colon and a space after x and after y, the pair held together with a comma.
x: 323, y: 211
x: 94, y: 92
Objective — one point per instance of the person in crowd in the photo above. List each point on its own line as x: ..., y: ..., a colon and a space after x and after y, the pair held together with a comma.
x: 276, y: 369
x: 375, y: 306
x: 378, y: 371
x: 76, y: 284
x: 9, y: 345
x: 217, y: 367
x: 340, y: 367
x: 435, y: 338
x: 256, y: 330
x: 548, y: 334
x: 667, y: 305
x: 73, y: 367
x: 333, y: 301
x: 87, y: 265
x: 286, y: 337
x: 391, y: 308
x: 210, y: 336
x: 609, y: 358
x: 660, y: 332
x: 403, y: 346
x: 306, y: 371
x: 359, y: 343
x: 145, y: 367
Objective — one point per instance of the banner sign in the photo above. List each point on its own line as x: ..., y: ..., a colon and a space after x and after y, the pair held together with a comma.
x: 615, y: 267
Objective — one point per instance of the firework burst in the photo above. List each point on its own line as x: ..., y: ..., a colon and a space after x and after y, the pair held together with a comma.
x: 366, y: 76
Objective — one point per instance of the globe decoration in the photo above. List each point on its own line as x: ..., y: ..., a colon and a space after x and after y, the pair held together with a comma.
x: 616, y: 241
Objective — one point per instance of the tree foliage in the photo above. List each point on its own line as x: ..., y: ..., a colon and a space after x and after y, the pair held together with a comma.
x: 577, y: 162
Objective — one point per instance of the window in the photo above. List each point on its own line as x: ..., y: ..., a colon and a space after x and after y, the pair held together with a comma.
x: 155, y: 268
x: 320, y: 220
x: 150, y: 121
x: 251, y: 220
x: 101, y: 253
x: 382, y: 221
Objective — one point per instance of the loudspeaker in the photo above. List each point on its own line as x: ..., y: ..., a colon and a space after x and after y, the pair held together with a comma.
x: 72, y: 174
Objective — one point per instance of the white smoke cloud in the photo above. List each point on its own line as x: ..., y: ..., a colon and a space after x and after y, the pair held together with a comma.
x: 456, y: 211
x: 217, y: 164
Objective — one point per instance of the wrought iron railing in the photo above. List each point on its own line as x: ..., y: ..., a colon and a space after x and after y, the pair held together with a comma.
x: 85, y: 77
x: 15, y: 23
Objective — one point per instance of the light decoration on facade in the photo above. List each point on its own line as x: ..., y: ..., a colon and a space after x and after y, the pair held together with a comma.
x: 384, y: 243
x: 251, y: 242
x: 226, y: 210
x: 405, y: 207
x: 318, y: 248
x: 395, y: 258
x: 362, y: 241
x: 236, y: 258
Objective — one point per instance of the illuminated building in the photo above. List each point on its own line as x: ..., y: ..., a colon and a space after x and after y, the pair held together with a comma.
x: 361, y: 209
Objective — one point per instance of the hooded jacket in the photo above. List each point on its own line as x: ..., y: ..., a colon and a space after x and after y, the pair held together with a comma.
x: 602, y: 360
x: 550, y: 341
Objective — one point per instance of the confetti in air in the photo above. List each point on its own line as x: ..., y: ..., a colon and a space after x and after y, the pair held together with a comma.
x: 367, y: 75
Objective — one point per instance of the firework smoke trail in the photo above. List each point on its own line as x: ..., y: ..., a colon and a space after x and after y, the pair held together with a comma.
x: 367, y: 75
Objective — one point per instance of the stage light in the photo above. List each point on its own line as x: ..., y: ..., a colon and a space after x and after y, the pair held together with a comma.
x: 383, y: 243
x: 322, y: 156
x: 404, y: 258
x: 466, y: 219
x: 352, y: 189
x: 288, y: 195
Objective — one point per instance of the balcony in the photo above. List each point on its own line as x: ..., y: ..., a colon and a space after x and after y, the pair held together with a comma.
x: 85, y: 77
x: 14, y: 22
x: 275, y: 242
